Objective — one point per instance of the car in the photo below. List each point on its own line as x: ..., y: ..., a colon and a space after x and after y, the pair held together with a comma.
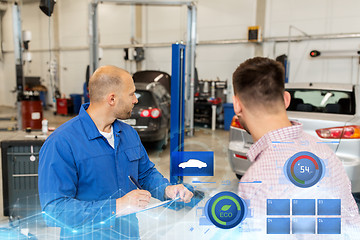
x: 329, y: 112
x: 193, y: 163
x: 151, y: 115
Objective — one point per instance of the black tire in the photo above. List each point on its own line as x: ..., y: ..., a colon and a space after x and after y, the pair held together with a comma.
x: 163, y: 143
x: 166, y: 140
x: 239, y: 176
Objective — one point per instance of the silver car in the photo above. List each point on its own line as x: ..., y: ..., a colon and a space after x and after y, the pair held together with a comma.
x: 330, y: 112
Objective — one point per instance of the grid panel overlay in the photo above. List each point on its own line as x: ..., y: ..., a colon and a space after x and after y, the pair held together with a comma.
x: 303, y: 216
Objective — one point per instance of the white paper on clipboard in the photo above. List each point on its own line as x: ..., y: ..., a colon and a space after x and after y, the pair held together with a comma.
x: 156, y: 205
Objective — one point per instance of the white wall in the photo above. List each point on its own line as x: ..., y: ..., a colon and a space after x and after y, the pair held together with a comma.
x: 73, y: 34
x: 36, y: 22
x: 315, y: 17
x: 114, y: 29
x: 7, y: 66
x: 216, y: 20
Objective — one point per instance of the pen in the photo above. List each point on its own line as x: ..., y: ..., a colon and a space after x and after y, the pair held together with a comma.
x: 133, y: 180
x: 136, y: 183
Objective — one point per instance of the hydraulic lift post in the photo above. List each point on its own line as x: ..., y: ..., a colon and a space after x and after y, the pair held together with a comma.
x: 177, y: 106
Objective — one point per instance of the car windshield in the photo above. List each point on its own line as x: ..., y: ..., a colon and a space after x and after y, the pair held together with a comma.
x: 145, y: 98
x: 324, y: 101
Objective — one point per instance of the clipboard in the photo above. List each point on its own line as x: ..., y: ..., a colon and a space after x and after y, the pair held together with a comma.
x: 156, y: 205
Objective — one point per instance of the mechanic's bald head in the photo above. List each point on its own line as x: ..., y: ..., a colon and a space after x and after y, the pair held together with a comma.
x: 105, y: 80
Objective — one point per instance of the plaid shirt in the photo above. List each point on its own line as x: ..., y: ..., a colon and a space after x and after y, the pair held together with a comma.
x: 269, y: 155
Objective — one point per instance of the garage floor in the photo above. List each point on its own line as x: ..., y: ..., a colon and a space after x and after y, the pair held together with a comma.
x: 204, y: 139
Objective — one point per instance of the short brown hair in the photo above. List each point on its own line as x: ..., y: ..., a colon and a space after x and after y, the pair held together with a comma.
x: 259, y: 80
x: 104, y: 80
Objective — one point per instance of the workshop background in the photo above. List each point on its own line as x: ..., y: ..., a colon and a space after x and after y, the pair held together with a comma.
x: 330, y: 21
x: 58, y: 56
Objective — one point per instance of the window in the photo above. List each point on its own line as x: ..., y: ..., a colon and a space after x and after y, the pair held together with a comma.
x: 323, y: 101
x: 145, y: 98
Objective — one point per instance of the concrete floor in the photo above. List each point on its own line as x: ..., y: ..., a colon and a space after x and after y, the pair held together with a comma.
x: 204, y: 139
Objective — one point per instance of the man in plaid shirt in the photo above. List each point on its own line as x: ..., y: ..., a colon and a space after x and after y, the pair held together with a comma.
x: 260, y: 102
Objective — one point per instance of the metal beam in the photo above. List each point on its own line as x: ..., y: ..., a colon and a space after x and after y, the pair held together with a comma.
x: 338, y: 53
x: 202, y: 43
x: 313, y: 37
x: 138, y: 31
x: 18, y: 60
x: 18, y: 44
x: 191, y: 45
x: 93, y: 37
x: 147, y: 3
x: 93, y: 19
x: 190, y: 66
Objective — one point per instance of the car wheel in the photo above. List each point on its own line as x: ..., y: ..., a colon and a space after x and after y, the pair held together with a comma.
x: 162, y: 144
x: 166, y: 140
x: 239, y: 176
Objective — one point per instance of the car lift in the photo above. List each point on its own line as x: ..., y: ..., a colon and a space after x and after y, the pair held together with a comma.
x: 190, y: 42
x: 177, y: 122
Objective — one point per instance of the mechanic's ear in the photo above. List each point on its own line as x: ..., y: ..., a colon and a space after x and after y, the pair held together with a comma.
x: 237, y: 105
x: 287, y: 99
x: 111, y: 99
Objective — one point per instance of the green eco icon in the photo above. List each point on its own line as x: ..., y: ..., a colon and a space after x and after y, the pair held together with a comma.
x: 225, y: 210
x: 225, y: 207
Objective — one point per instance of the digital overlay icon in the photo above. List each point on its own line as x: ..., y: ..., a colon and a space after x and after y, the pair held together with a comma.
x: 192, y: 163
x: 225, y: 210
x: 304, y: 169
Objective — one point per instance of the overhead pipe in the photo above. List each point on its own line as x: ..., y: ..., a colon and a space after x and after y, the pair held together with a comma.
x: 209, y: 42
x: 147, y: 3
x: 313, y: 37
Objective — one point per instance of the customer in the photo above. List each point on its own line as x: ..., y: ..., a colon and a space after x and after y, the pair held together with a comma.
x: 86, y: 163
x: 260, y: 103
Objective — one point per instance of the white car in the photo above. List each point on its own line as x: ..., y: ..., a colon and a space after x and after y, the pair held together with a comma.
x: 193, y: 163
x: 330, y: 112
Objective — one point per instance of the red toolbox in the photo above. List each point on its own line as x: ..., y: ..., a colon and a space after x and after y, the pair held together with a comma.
x: 64, y: 106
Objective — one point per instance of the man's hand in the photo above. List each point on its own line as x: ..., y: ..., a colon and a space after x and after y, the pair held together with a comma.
x: 180, y: 190
x: 134, y: 201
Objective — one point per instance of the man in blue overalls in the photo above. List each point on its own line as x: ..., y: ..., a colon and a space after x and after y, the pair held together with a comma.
x: 85, y: 165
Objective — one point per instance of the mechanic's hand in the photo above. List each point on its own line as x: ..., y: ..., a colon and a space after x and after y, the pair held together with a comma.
x: 133, y: 201
x: 180, y: 190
